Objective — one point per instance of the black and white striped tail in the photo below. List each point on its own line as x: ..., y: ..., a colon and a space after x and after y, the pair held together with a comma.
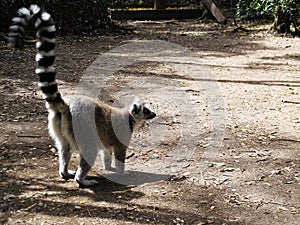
x: 45, y: 45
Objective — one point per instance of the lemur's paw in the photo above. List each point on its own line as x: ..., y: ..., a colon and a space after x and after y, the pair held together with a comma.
x: 69, y: 175
x: 87, y: 183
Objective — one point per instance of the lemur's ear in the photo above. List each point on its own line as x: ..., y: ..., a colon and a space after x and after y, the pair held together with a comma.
x: 136, y: 108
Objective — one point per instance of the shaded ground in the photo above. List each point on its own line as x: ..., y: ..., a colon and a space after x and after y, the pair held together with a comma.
x: 253, y: 180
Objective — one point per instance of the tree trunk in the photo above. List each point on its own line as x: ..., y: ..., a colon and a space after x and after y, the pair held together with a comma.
x: 282, y: 23
x: 159, y: 4
x: 215, y: 11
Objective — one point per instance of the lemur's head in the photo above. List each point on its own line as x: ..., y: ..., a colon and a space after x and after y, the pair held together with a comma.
x: 140, y: 112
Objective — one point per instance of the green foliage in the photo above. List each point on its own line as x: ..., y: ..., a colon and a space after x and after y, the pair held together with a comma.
x: 284, y: 12
x: 253, y: 9
x: 71, y: 16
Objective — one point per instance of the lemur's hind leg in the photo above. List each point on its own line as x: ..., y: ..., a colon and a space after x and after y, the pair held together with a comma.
x: 65, y: 154
x: 106, y: 160
x: 62, y: 144
x: 85, y: 164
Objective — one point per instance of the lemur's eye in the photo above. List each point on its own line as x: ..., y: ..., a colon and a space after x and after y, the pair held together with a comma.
x: 146, y: 111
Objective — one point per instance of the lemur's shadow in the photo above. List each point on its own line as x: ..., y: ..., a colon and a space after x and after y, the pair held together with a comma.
x: 114, y: 182
x: 120, y: 188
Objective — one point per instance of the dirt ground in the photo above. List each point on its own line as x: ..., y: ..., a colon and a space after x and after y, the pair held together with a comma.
x: 253, y: 178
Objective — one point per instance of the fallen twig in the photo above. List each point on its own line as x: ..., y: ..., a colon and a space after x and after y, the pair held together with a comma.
x: 28, y: 136
x: 262, y: 202
x: 291, y: 102
x: 286, y: 139
x: 89, y: 212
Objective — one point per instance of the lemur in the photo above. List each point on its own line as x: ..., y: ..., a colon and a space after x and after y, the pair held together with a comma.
x: 62, y: 110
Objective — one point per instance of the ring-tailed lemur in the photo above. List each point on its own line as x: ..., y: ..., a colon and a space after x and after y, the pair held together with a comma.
x: 63, y: 110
